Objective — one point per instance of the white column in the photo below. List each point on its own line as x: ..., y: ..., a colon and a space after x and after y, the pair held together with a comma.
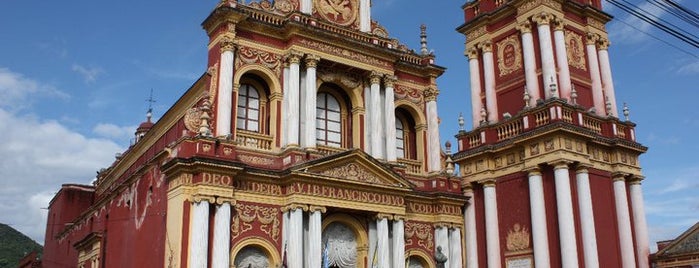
x: 475, y: 73
x: 374, y: 116
x: 433, y: 147
x: 225, y: 89
x: 441, y: 239
x: 222, y: 236
x: 293, y: 91
x: 367, y: 120
x: 623, y: 222
x: 639, y: 222
x: 548, y: 64
x: 539, y: 226
x: 398, y: 243
x: 285, y: 105
x: 597, y: 95
x: 492, y: 231
x: 295, y: 248
x: 199, y: 234
x: 455, y: 260
x: 308, y: 134
x: 390, y: 114
x: 587, y: 225
x: 365, y: 16
x: 306, y: 6
x: 382, y: 232
x: 471, y: 237
x: 562, y: 60
x: 606, y: 72
x: 285, y: 232
x: 529, y: 55
x: 491, y: 102
x: 315, y: 232
x: 566, y: 224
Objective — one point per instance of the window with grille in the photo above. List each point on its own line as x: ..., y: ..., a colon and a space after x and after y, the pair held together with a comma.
x: 328, y: 121
x: 248, y: 108
x: 400, y: 139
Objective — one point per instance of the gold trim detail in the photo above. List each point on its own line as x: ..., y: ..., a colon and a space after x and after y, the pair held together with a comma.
x: 342, y: 13
x: 353, y: 172
x: 575, y: 49
x: 267, y: 59
x: 344, y: 53
x: 517, y: 238
x: 509, y: 55
x: 248, y: 214
x: 423, y: 233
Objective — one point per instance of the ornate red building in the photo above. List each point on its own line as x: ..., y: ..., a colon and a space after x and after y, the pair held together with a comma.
x: 313, y: 138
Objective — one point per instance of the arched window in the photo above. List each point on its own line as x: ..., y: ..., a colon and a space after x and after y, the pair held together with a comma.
x: 328, y: 121
x: 400, y: 138
x: 248, y: 108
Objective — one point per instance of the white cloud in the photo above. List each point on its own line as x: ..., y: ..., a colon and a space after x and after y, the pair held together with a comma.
x: 15, y: 90
x: 689, y: 68
x: 629, y: 29
x: 114, y: 132
x: 89, y: 74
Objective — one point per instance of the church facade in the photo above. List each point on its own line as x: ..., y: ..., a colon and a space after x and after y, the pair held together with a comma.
x: 312, y: 140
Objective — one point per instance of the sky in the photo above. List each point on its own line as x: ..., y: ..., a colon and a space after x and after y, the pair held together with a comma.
x: 75, y: 76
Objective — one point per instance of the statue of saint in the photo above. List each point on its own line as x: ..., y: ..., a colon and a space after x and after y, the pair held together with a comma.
x: 439, y: 257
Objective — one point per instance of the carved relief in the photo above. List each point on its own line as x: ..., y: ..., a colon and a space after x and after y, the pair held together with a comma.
x: 341, y: 12
x: 248, y: 215
x: 344, y: 53
x: 535, y: 3
x: 575, y: 50
x: 478, y: 32
x: 510, y: 159
x: 517, y: 238
x: 255, y: 160
x: 421, y: 231
x: 248, y: 55
x: 346, y: 79
x: 282, y: 7
x: 509, y: 55
x: 534, y: 149
x: 353, y: 172
x: 192, y: 119
x: 548, y: 145
x: 404, y: 92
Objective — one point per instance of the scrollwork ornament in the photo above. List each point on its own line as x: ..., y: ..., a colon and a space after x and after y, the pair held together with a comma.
x: 524, y: 27
x: 509, y: 55
x: 543, y: 18
x: 486, y: 46
x: 430, y: 94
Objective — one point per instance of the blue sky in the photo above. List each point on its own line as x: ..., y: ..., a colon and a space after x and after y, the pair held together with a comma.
x: 74, y: 77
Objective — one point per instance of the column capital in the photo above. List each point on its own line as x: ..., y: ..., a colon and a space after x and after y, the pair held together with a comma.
x: 488, y: 183
x: 603, y: 43
x: 560, y: 164
x: 619, y: 176
x: 557, y: 24
x: 236, y: 87
x: 543, y: 18
x: 230, y: 200
x: 430, y: 94
x: 524, y: 27
x: 467, y: 188
x: 196, y: 198
x: 442, y: 225
x: 472, y: 53
x: 399, y: 217
x: 294, y: 57
x: 380, y: 216
x: 375, y: 77
x: 582, y: 168
x: 591, y: 38
x: 389, y: 80
x: 228, y: 42
x: 312, y: 208
x: 486, y: 46
x: 636, y: 179
x: 312, y: 60
x: 295, y: 206
x: 533, y: 171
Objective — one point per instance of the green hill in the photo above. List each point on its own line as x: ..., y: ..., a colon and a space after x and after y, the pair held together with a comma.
x: 14, y: 245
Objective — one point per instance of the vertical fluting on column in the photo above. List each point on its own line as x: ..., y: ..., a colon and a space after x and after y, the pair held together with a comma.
x: 587, y: 225
x: 492, y: 230
x: 470, y: 231
x: 295, y: 248
x: 398, y: 242
x: 475, y: 74
x: 315, y: 232
x: 365, y: 16
x: 222, y: 236
x: 199, y: 234
x: 491, y: 102
x: 294, y: 94
x: 596, y: 80
x: 538, y: 214
x: 566, y: 223
x: 606, y: 72
x: 390, y: 118
x: 224, y: 107
x: 441, y: 241
x: 433, y: 146
x: 455, y: 260
x: 628, y: 259
x: 382, y: 233
x: 562, y: 59
x: 529, y: 56
x: 308, y: 134
x: 639, y: 222
x: 375, y: 116
x: 548, y: 64
x: 284, y: 124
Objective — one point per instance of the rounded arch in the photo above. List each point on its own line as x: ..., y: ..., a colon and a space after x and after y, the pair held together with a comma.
x: 265, y: 74
x: 413, y: 110
x: 359, y: 232
x: 262, y: 244
x: 425, y: 259
x: 352, y: 94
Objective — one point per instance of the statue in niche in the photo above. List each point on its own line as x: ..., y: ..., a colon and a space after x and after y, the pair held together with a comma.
x: 439, y: 257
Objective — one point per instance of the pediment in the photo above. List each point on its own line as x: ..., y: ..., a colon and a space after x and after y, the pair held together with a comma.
x: 687, y: 242
x: 354, y: 166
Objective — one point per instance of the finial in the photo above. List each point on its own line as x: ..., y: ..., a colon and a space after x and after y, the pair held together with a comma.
x: 626, y: 112
x: 461, y: 122
x: 608, y: 106
x: 150, y: 101
x: 204, y: 126
x: 553, y: 87
x: 423, y: 40
x: 526, y: 98
x: 448, y: 146
x: 484, y: 115
x: 573, y: 94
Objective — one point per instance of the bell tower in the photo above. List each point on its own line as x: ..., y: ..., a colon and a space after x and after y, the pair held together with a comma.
x: 552, y: 170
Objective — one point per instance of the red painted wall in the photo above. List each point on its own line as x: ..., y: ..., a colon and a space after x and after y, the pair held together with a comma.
x: 604, y: 212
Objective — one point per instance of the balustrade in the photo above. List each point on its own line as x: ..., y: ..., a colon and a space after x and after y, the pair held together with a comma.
x: 253, y: 140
